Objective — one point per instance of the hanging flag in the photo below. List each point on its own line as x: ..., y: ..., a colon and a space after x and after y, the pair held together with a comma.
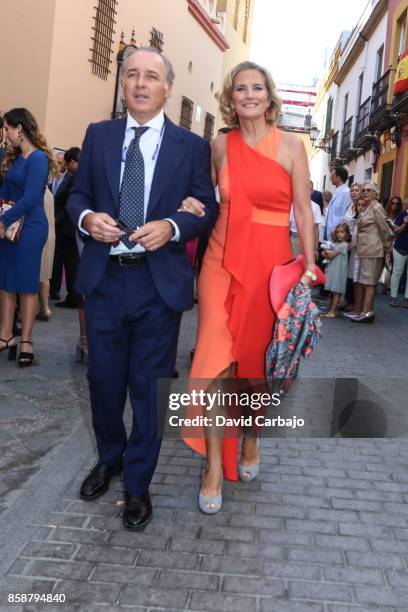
x: 401, y: 76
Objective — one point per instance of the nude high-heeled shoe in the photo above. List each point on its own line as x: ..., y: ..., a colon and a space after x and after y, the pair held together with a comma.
x: 208, y: 504
x: 248, y: 473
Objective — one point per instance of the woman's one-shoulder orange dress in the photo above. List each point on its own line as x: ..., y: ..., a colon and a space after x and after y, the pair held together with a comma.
x: 251, y: 236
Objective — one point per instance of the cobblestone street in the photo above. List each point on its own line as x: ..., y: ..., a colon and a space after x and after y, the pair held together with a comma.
x: 323, y: 529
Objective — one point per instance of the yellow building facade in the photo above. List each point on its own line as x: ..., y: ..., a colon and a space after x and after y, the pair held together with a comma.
x: 65, y: 71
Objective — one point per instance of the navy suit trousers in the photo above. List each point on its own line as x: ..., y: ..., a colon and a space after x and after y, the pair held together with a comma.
x: 132, y: 336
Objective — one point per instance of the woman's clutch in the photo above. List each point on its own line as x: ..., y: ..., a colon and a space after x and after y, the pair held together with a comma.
x: 285, y: 277
x: 14, y: 229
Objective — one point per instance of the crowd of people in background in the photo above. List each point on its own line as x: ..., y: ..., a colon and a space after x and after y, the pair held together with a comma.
x: 363, y: 244
x: 35, y: 183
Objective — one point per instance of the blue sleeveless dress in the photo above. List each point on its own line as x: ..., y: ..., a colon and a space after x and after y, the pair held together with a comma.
x: 24, y: 184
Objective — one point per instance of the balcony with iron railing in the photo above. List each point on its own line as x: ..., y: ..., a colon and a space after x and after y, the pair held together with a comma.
x: 334, y: 147
x: 346, y: 136
x: 293, y: 123
x: 400, y: 103
x: 380, y: 110
x: 363, y: 118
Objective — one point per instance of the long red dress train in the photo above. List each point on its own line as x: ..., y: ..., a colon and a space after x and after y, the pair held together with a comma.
x: 251, y: 235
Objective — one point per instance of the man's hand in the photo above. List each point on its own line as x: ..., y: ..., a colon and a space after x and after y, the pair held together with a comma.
x: 2, y: 230
x: 153, y: 235
x: 192, y: 205
x: 101, y: 227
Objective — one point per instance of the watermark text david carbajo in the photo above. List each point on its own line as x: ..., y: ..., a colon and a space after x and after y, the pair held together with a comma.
x: 212, y: 402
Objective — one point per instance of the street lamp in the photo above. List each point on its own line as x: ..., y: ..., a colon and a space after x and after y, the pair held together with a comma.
x: 313, y: 135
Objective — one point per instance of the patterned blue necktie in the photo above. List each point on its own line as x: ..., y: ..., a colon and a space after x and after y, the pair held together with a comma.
x: 131, y: 199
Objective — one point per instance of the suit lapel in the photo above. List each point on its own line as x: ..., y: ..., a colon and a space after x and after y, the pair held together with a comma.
x: 170, y: 155
x: 113, y: 156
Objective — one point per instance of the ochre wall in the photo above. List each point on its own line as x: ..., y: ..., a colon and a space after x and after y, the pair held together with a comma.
x: 26, y: 35
x: 76, y: 97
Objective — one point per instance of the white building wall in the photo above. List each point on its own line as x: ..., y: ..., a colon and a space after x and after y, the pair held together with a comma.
x: 365, y: 63
x: 373, y: 44
x: 319, y: 163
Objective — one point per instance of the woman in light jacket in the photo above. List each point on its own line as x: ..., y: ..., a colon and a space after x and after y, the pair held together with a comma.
x: 373, y: 243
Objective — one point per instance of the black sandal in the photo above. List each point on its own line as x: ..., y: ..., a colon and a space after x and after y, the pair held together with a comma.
x: 25, y: 359
x: 12, y: 348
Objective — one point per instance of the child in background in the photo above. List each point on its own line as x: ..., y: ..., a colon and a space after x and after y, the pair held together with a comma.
x: 354, y: 266
x: 336, y: 270
x: 326, y: 195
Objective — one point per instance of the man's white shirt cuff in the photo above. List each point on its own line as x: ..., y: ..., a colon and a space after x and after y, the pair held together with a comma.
x: 81, y: 217
x: 176, y: 236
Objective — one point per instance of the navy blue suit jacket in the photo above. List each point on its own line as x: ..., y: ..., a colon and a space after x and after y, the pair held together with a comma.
x: 63, y: 222
x: 182, y: 169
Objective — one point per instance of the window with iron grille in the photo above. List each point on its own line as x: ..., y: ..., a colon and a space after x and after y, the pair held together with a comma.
x: 186, y: 114
x: 209, y: 126
x: 328, y: 115
x: 103, y: 33
x: 156, y: 39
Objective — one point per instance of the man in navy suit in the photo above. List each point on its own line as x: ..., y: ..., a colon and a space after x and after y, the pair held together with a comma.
x: 136, y: 277
x: 66, y: 256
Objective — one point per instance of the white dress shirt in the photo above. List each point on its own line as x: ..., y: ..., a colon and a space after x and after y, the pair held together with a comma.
x: 317, y: 218
x: 149, y: 143
x: 337, y: 208
x: 56, y: 182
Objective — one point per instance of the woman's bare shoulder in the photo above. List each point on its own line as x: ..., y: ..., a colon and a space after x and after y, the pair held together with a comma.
x: 219, y: 143
x: 292, y: 141
x: 218, y: 148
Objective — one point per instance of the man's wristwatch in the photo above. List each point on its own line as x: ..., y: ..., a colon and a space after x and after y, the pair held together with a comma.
x: 310, y: 275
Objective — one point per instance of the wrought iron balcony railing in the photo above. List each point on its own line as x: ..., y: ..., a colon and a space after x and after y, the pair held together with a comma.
x: 292, y: 122
x: 379, y: 97
x: 346, y: 137
x: 363, y: 118
x: 334, y: 146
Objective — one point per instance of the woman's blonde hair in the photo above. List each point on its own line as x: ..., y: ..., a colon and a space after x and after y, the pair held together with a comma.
x: 30, y: 129
x: 327, y: 196
x: 228, y: 114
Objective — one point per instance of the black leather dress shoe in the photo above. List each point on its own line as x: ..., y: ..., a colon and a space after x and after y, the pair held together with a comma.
x: 137, y: 511
x: 97, y: 482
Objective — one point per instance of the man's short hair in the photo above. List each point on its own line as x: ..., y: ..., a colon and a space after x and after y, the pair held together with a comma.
x: 170, y: 75
x: 1, y: 122
x: 341, y: 173
x: 72, y: 154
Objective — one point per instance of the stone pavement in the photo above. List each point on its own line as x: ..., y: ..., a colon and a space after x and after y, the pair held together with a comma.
x: 323, y: 529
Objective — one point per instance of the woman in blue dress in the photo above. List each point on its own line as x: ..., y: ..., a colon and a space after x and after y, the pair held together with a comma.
x: 27, y: 165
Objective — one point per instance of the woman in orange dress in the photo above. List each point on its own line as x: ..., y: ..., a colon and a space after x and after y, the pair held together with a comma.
x: 260, y: 172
